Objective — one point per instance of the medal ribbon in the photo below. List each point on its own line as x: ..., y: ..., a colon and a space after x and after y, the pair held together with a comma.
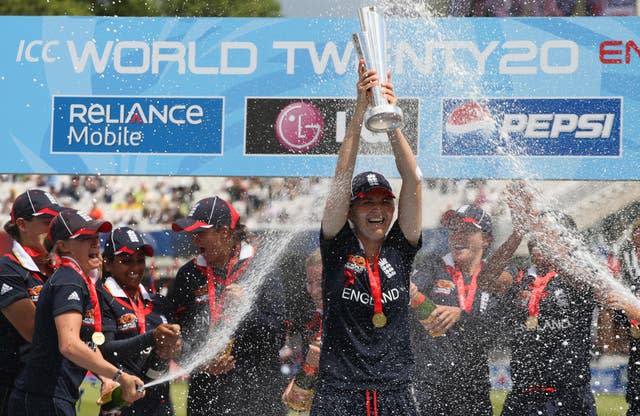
x: 215, y: 284
x: 374, y: 283
x: 466, y: 293
x: 93, y: 293
x: 138, y: 310
x: 538, y: 293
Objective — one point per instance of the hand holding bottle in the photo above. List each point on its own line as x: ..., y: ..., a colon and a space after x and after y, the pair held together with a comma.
x: 222, y: 363
x: 299, y: 393
x: 297, y: 398
x: 442, y: 319
x: 132, y: 387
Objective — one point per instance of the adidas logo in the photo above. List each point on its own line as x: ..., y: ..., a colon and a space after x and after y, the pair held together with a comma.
x: 74, y: 296
x: 5, y: 288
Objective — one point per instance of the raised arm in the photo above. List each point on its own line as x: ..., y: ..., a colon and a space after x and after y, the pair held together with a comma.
x: 493, y: 277
x: 336, y: 209
x: 410, y: 201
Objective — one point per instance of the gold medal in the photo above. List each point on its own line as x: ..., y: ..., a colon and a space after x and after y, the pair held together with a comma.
x: 98, y: 338
x: 634, y: 330
x: 532, y: 322
x: 379, y: 320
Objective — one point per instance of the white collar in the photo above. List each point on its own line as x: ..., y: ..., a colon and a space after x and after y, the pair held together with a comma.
x: 246, y: 251
x: 448, y: 260
x: 117, y: 291
x: 532, y: 271
x: 25, y: 260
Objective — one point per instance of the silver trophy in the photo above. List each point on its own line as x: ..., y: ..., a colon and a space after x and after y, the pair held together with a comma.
x: 370, y: 45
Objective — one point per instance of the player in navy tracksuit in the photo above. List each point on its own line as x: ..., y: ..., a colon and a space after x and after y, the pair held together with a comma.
x: 139, y: 338
x: 452, y: 371
x: 68, y: 325
x: 246, y: 379
x: 23, y: 271
x: 310, y: 329
x: 630, y: 274
x: 366, y: 360
x: 548, y: 307
x: 550, y: 320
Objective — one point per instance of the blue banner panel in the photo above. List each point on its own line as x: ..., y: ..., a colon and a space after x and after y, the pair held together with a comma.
x: 532, y: 126
x: 543, y: 98
x: 137, y: 125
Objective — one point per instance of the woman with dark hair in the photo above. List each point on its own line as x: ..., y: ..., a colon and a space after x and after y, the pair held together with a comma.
x: 246, y: 378
x: 23, y: 271
x: 452, y: 371
x: 68, y: 325
x: 139, y: 337
x: 366, y: 360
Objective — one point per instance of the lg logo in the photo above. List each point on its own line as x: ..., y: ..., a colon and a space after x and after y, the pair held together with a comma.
x: 299, y: 127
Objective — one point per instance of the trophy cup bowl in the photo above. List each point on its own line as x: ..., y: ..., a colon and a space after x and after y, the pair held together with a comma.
x: 370, y: 45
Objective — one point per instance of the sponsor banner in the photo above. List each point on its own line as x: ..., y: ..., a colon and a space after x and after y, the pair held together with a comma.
x: 213, y: 96
x: 137, y: 125
x: 532, y: 126
x: 294, y: 126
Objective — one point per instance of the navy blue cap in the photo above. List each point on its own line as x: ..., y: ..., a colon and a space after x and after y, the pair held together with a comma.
x: 469, y: 214
x: 125, y: 240
x: 34, y: 203
x: 207, y: 213
x: 365, y: 182
x: 71, y: 224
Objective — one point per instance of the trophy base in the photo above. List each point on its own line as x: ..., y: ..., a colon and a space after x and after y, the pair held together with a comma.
x: 384, y: 118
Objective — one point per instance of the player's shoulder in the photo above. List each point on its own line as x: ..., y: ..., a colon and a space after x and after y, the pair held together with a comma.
x: 9, y: 266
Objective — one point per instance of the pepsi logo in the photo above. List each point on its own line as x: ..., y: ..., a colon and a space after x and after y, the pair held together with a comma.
x: 554, y: 126
x: 470, y: 117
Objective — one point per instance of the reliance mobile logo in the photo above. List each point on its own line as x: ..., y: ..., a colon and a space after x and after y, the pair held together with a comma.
x: 532, y: 126
x: 155, y: 125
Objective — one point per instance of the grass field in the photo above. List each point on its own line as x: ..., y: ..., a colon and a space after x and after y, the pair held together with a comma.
x: 608, y: 404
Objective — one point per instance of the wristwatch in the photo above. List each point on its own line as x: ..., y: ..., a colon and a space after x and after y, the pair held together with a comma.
x: 117, y: 375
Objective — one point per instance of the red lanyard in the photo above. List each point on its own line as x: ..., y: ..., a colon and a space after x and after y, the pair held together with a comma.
x: 374, y: 283
x: 215, y: 282
x: 466, y: 293
x: 138, y: 310
x: 538, y: 293
x: 93, y: 293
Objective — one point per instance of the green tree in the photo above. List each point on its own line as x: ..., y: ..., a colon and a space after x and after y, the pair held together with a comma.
x: 44, y: 7
x: 198, y: 8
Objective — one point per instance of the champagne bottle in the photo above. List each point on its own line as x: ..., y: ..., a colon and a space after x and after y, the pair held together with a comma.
x: 302, y: 389
x: 422, y: 307
x: 305, y: 380
x: 113, y: 400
